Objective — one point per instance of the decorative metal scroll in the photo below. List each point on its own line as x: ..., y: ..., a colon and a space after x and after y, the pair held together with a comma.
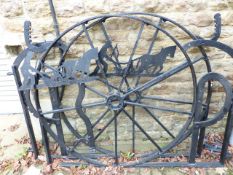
x: 103, y: 64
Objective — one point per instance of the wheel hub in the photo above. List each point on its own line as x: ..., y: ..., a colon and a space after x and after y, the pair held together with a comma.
x: 115, y: 102
x: 134, y: 97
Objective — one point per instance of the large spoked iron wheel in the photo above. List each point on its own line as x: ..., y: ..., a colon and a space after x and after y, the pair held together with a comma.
x: 134, y: 102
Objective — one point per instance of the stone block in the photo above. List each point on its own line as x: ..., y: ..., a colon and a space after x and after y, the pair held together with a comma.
x: 37, y: 9
x: 11, y: 8
x: 101, y: 7
x: 200, y: 19
x: 116, y: 6
x: 70, y: 8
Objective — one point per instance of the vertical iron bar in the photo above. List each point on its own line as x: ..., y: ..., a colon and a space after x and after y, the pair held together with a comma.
x: 227, y: 134
x: 202, y: 132
x: 54, y: 96
x: 57, y: 31
x: 53, y: 13
x: 193, y: 150
x: 26, y: 113
x: 45, y: 141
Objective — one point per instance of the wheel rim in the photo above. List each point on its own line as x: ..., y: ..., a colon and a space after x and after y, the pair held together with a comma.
x: 120, y: 104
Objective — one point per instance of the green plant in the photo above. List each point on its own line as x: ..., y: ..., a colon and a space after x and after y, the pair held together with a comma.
x: 127, y: 155
x: 82, y: 166
x: 22, y: 153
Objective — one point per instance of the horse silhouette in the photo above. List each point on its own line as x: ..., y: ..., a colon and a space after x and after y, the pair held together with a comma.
x: 70, y: 67
x: 156, y: 61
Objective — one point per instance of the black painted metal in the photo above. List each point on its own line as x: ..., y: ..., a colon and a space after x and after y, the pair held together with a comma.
x: 30, y: 80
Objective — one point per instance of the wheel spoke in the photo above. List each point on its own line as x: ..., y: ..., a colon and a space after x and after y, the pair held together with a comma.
x: 166, y: 99
x: 109, y: 84
x: 92, y: 46
x: 155, y: 36
x: 136, y: 42
x: 157, y: 107
x: 94, y: 104
x: 97, y: 121
x: 76, y: 37
x: 109, y: 122
x: 115, y: 138
x: 100, y: 118
x: 134, y: 74
x: 150, y: 48
x: 142, y: 130
x: 70, y: 127
x: 158, y: 121
x: 131, y: 57
x: 103, y: 28
x: 88, y: 36
x: 95, y: 91
x: 162, y: 77
x: 58, y: 110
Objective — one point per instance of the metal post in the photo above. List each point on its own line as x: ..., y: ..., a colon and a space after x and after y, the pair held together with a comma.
x: 26, y: 113
x: 53, y: 13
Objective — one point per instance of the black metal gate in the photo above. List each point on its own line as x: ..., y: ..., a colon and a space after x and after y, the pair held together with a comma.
x: 113, y: 92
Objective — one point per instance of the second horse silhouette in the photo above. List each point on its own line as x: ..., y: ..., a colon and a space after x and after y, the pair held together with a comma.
x: 147, y: 61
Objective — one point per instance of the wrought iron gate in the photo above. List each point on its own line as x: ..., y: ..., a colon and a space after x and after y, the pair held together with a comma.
x: 114, y: 91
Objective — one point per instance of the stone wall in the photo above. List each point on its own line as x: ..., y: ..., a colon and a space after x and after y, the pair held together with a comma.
x: 196, y: 16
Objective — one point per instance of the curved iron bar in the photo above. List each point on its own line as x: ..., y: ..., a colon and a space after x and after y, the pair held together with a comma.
x: 198, y: 122
x: 209, y: 43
